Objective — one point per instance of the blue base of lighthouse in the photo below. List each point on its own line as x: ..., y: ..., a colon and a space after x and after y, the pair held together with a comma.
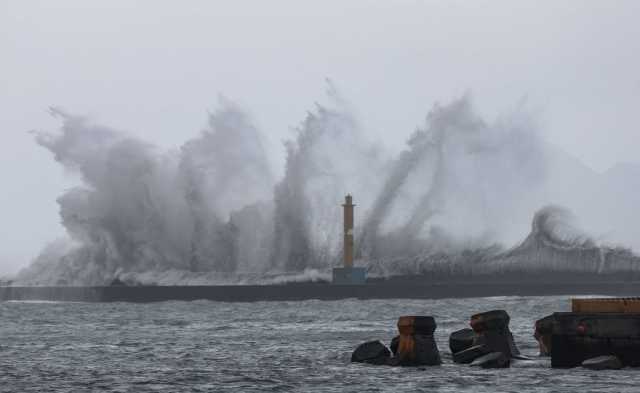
x: 349, y: 275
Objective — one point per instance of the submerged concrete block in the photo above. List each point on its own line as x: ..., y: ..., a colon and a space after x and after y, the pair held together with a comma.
x: 394, y: 345
x: 542, y: 334
x: 492, y: 331
x: 470, y: 354
x: 372, y: 352
x: 461, y: 340
x: 418, y: 350
x: 490, y: 320
x: 498, y: 342
x: 492, y: 360
x: 603, y: 363
x: 416, y: 324
x: 416, y: 345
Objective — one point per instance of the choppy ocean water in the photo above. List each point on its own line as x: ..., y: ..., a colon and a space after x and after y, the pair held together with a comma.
x: 264, y: 346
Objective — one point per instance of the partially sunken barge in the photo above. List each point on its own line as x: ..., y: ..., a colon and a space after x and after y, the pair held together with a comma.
x: 608, y: 328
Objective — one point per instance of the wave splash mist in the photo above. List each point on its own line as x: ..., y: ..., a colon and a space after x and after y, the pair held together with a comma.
x: 213, y: 211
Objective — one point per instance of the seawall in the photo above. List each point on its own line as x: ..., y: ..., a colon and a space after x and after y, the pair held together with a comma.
x: 321, y: 291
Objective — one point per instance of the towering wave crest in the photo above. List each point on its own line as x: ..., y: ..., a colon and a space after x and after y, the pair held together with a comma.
x: 460, y: 183
x: 456, y: 200
x: 140, y: 209
x: 329, y: 157
x: 556, y: 244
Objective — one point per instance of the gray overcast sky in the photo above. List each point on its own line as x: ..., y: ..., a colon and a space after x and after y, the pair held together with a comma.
x: 154, y: 68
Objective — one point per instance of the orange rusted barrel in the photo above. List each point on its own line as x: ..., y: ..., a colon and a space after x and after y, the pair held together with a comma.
x: 490, y: 320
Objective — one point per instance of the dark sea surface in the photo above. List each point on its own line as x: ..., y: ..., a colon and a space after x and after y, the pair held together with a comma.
x: 264, y: 346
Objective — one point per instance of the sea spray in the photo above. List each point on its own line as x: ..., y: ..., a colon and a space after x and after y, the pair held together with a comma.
x: 329, y: 157
x: 456, y: 201
x: 460, y: 177
x: 140, y: 209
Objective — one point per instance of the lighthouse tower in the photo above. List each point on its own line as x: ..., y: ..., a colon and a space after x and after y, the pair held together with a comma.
x: 348, y: 274
x: 348, y: 231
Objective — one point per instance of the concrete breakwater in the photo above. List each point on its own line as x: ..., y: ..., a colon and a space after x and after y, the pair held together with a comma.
x: 594, y: 340
x: 321, y: 291
x: 490, y: 344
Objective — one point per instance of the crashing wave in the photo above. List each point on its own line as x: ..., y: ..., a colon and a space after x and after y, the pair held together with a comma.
x: 554, y: 244
x: 212, y: 211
